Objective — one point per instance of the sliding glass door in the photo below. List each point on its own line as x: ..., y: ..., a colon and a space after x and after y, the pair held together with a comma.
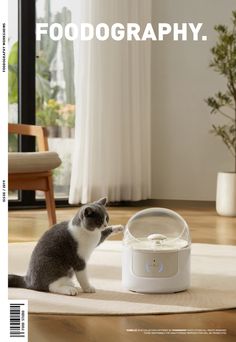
x: 55, y: 91
x: 42, y: 89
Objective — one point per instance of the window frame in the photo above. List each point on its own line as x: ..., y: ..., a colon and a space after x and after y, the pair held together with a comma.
x: 26, y: 90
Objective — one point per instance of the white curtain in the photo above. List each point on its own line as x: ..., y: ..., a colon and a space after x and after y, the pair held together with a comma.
x: 112, y: 135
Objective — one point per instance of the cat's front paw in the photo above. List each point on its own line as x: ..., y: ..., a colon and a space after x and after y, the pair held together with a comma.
x: 69, y: 290
x: 89, y: 289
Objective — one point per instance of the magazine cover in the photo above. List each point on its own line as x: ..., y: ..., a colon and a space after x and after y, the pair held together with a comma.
x: 118, y: 170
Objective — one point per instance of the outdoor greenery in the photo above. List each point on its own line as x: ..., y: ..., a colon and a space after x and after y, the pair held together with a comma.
x: 224, y: 102
x: 49, y: 110
x: 48, y: 115
x: 12, y: 74
x: 13, y: 90
x: 55, y: 92
x: 67, y: 116
x: 54, y: 113
x: 46, y: 52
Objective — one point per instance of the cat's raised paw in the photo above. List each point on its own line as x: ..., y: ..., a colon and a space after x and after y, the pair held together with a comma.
x: 117, y: 229
x: 89, y: 289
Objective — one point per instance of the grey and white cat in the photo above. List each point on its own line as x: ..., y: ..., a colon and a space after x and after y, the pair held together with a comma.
x: 64, y: 250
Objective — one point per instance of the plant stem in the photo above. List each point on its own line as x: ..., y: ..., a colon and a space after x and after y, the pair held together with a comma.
x: 227, y: 116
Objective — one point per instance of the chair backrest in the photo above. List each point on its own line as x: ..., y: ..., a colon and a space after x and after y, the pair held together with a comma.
x: 32, y: 130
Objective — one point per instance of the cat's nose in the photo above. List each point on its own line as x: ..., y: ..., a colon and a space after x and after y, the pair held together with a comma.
x: 104, y: 223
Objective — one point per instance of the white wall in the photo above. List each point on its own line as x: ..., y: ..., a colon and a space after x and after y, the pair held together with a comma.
x: 185, y: 156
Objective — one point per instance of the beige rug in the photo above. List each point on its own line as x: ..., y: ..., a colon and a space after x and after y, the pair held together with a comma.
x: 213, y: 285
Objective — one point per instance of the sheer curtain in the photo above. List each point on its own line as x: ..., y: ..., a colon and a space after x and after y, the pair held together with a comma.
x: 112, y: 134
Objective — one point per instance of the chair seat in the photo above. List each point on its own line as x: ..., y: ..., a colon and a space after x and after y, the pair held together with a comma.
x: 28, y: 162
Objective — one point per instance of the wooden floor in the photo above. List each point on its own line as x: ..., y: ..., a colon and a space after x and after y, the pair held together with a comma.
x: 205, y: 227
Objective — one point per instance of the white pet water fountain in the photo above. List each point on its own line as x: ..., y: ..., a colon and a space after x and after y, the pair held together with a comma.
x: 156, y: 253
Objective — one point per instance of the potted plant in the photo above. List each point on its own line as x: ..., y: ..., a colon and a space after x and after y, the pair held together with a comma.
x: 66, y: 120
x: 64, y: 131
x: 224, y: 104
x: 48, y: 117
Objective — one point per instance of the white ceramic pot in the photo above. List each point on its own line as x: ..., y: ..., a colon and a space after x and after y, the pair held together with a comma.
x: 226, y: 194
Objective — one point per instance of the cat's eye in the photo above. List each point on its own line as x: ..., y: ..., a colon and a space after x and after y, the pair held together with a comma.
x: 107, y: 218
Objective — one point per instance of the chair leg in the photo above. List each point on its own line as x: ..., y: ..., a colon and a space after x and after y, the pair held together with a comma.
x: 50, y: 202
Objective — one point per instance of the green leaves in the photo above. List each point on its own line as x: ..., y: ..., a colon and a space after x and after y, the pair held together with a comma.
x: 224, y: 103
x: 220, y: 100
x: 47, y: 85
x: 12, y: 74
x: 224, y: 52
x: 49, y: 114
x: 227, y: 134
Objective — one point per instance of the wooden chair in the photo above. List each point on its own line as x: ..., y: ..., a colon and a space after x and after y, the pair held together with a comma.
x: 33, y: 171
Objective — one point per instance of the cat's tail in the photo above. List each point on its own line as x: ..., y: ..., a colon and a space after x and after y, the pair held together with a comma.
x: 16, y: 281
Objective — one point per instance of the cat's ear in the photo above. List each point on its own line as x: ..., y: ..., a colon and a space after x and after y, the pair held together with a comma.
x: 102, y: 201
x: 88, y: 211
